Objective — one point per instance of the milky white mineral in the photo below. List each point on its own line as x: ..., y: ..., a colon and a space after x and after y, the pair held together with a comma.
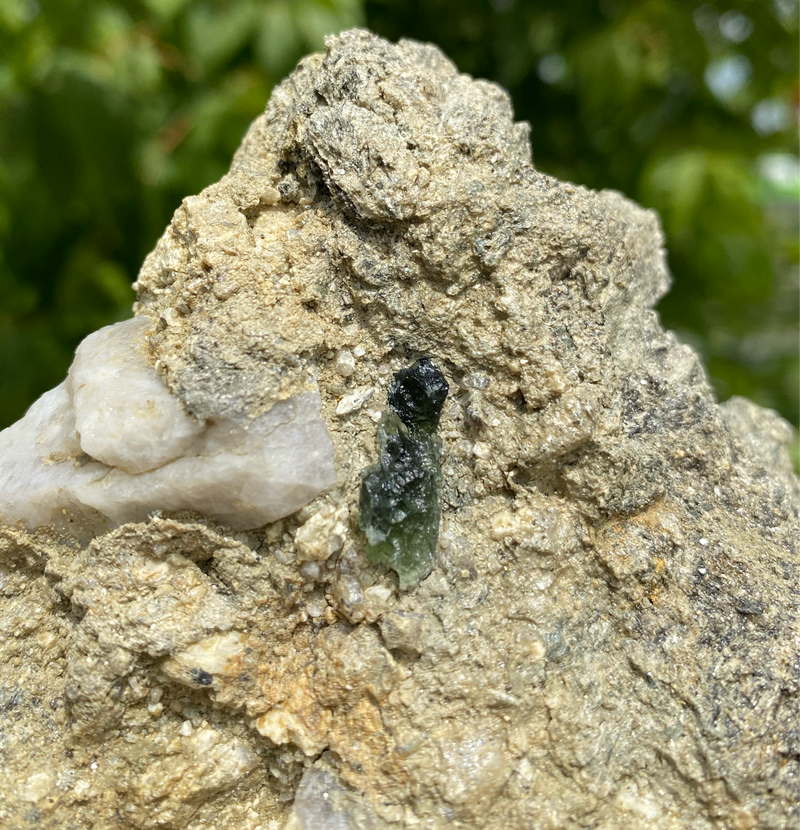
x: 320, y: 804
x: 124, y: 414
x: 39, y: 470
x: 114, y: 440
x: 323, y: 534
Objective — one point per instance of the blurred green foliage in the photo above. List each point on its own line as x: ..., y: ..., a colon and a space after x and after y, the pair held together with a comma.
x: 111, y: 112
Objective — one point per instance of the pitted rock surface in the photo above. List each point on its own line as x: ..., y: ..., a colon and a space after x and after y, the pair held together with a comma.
x: 610, y: 635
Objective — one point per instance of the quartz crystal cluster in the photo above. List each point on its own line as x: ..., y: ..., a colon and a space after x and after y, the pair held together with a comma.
x: 112, y: 444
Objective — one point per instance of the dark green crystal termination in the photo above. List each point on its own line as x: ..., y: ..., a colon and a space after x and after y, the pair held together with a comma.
x: 401, y: 504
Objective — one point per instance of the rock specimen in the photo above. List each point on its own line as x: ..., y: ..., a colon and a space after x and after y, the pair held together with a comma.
x: 114, y: 440
x: 400, y: 506
x: 608, y: 636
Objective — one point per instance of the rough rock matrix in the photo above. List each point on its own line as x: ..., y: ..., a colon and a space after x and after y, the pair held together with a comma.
x: 609, y: 635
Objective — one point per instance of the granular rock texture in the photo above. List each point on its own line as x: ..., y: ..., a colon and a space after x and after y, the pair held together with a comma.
x: 609, y: 636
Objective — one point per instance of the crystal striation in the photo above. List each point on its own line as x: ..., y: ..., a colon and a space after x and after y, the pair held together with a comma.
x: 400, y: 506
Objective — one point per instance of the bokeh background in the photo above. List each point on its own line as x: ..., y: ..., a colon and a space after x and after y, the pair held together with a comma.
x: 111, y: 111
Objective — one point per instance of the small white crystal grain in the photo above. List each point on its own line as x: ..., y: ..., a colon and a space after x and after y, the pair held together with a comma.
x: 353, y: 402
x: 345, y: 363
x: 323, y: 534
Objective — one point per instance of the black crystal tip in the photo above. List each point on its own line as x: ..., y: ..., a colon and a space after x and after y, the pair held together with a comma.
x: 417, y: 395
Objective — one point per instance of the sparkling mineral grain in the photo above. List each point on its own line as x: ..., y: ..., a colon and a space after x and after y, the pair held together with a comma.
x: 601, y: 631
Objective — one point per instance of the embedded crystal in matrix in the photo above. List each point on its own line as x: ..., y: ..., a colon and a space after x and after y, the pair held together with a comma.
x: 417, y: 395
x: 400, y: 506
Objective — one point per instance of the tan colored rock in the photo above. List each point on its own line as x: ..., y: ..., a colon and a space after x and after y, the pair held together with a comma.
x: 323, y: 534
x: 608, y: 637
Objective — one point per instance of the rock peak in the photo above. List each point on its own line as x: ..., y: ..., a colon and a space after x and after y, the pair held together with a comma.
x: 599, y: 632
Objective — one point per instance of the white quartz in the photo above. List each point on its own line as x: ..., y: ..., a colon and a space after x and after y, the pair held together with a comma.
x: 321, y: 803
x: 113, y: 439
x: 36, y: 482
x: 138, y: 426
x: 250, y: 477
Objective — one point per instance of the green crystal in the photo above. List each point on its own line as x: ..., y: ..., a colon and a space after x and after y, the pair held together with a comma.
x: 400, y: 508
x: 417, y: 395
